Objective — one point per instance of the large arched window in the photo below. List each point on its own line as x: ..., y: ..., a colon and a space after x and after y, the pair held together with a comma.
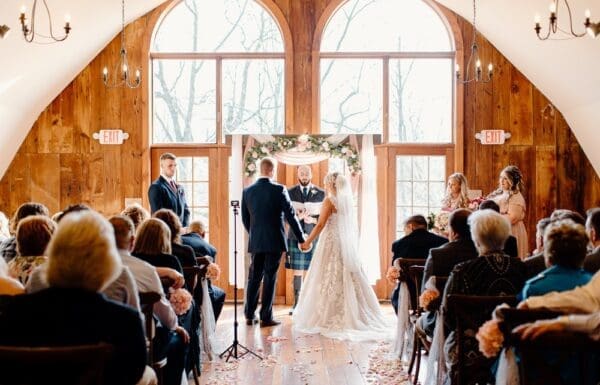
x: 386, y: 67
x: 217, y: 68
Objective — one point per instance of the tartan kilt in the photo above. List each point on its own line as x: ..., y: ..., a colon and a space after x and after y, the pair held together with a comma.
x: 296, y: 259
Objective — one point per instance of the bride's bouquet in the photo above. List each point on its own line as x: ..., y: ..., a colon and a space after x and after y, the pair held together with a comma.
x: 474, y: 203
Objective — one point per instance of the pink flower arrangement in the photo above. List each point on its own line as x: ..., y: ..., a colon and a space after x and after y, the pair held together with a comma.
x: 213, y: 271
x: 490, y: 338
x: 181, y: 300
x: 474, y: 203
x: 393, y: 274
x: 441, y: 221
x: 427, y: 296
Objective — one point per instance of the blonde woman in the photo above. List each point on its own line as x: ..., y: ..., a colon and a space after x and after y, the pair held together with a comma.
x: 337, y: 300
x: 456, y: 193
x: 509, y: 197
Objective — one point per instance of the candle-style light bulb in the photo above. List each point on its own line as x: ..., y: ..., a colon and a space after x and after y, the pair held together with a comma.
x: 137, y: 74
x: 552, y: 7
x: 105, y: 71
x: 588, y: 14
x: 125, y: 68
x: 478, y: 64
x: 23, y: 9
x: 536, y: 19
x: 490, y: 67
x: 67, y: 18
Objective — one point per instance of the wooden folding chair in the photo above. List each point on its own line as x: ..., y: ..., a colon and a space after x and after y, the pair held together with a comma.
x: 147, y: 301
x: 69, y: 365
x: 533, y: 367
x: 466, y: 310
x: 415, y: 274
x: 191, y: 274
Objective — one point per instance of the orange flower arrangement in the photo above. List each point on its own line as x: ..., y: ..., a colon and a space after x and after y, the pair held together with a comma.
x: 393, y: 274
x: 490, y: 338
x: 427, y: 296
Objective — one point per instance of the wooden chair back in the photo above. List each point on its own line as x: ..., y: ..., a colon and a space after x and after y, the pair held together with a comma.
x: 466, y: 310
x: 73, y: 365
x: 415, y: 273
x: 191, y: 274
x: 404, y: 265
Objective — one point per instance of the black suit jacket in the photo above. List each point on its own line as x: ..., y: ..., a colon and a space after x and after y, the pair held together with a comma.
x: 201, y: 247
x: 592, y: 261
x: 416, y: 244
x: 264, y: 206
x: 315, y: 194
x: 510, y: 247
x: 441, y: 260
x: 162, y: 196
x: 62, y: 317
x: 185, y: 254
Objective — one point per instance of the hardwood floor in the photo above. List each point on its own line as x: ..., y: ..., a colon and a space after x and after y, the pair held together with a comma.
x: 292, y: 358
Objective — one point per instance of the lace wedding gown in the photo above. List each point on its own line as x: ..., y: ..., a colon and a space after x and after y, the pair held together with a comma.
x: 336, y: 301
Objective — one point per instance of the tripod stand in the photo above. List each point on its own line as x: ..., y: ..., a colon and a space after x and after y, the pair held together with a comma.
x: 232, y: 350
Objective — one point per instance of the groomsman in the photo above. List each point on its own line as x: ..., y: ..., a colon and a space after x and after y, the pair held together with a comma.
x: 297, y: 260
x: 165, y: 193
x: 265, y: 204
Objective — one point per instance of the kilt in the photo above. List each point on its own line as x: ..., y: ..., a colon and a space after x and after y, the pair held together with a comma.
x: 296, y: 259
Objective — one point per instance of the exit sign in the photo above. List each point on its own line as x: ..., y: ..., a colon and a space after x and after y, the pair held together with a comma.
x: 110, y: 136
x: 492, y: 136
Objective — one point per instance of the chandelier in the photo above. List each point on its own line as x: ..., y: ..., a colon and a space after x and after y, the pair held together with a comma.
x: 593, y: 29
x: 122, y: 66
x: 477, y: 76
x: 29, y: 32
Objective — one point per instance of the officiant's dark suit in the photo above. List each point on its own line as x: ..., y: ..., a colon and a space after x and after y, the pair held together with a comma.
x: 313, y: 195
x: 264, y: 206
x: 414, y: 245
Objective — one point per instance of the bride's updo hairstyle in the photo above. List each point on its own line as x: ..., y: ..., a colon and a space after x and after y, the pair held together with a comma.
x: 336, y: 181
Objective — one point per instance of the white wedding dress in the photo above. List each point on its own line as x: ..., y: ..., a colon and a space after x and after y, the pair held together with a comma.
x: 336, y: 299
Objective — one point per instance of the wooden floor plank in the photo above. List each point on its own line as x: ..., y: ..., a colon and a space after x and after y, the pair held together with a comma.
x: 290, y: 357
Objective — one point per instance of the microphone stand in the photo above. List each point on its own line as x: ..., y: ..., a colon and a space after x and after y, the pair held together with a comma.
x: 232, y: 350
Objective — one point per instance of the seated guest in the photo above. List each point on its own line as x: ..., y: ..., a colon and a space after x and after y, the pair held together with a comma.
x: 123, y: 289
x: 153, y: 245
x: 33, y: 235
x: 184, y: 253
x: 8, y: 285
x: 8, y: 247
x: 564, y: 251
x: 536, y: 263
x: 492, y: 273
x: 581, y: 323
x: 136, y: 213
x: 441, y: 260
x: 82, y: 260
x: 592, y: 226
x: 170, y: 338
x: 195, y: 239
x: 510, y: 247
x: 567, y: 214
x: 415, y: 244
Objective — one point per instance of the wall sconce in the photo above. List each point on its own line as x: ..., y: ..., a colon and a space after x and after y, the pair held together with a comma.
x: 4, y: 30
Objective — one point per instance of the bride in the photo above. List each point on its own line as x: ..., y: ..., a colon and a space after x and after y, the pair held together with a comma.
x: 336, y: 299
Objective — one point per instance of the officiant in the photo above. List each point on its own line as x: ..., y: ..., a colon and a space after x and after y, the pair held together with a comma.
x: 308, y: 214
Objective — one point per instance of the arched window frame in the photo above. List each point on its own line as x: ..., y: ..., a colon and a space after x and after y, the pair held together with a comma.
x: 451, y: 24
x: 287, y: 56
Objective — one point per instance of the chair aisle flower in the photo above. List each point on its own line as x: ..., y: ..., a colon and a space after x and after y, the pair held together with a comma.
x: 213, y: 271
x: 427, y: 297
x: 490, y: 338
x: 392, y: 275
x: 181, y: 300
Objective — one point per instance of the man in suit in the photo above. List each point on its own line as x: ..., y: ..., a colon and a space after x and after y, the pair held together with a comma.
x: 297, y: 260
x: 264, y: 206
x: 195, y: 239
x: 415, y: 244
x: 592, y: 227
x: 165, y: 193
x: 441, y: 260
x: 536, y: 263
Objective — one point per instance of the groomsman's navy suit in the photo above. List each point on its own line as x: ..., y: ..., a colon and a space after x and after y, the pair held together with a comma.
x: 264, y: 206
x: 162, y: 196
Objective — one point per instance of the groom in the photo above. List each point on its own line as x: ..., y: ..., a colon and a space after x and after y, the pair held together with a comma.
x: 264, y: 205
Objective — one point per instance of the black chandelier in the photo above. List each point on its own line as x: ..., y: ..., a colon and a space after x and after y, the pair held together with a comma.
x: 477, y: 76
x: 592, y: 29
x: 29, y: 32
x: 122, y: 66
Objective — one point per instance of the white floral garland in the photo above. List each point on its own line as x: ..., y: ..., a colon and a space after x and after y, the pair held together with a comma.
x: 302, y: 143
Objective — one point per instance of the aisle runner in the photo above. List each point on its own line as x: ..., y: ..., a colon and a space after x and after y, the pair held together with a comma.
x: 381, y: 369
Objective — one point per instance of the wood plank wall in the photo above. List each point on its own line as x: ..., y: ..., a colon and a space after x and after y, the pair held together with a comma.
x: 59, y: 163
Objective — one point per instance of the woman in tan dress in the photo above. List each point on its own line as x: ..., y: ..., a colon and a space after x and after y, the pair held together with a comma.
x: 512, y: 205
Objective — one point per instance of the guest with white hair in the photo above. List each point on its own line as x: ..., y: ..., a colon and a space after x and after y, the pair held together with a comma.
x: 82, y: 261
x: 492, y: 273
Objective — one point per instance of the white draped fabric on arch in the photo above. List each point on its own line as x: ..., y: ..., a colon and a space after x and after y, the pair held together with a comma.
x: 363, y: 184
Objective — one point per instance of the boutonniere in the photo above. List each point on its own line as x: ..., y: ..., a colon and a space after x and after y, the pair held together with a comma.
x: 313, y: 191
